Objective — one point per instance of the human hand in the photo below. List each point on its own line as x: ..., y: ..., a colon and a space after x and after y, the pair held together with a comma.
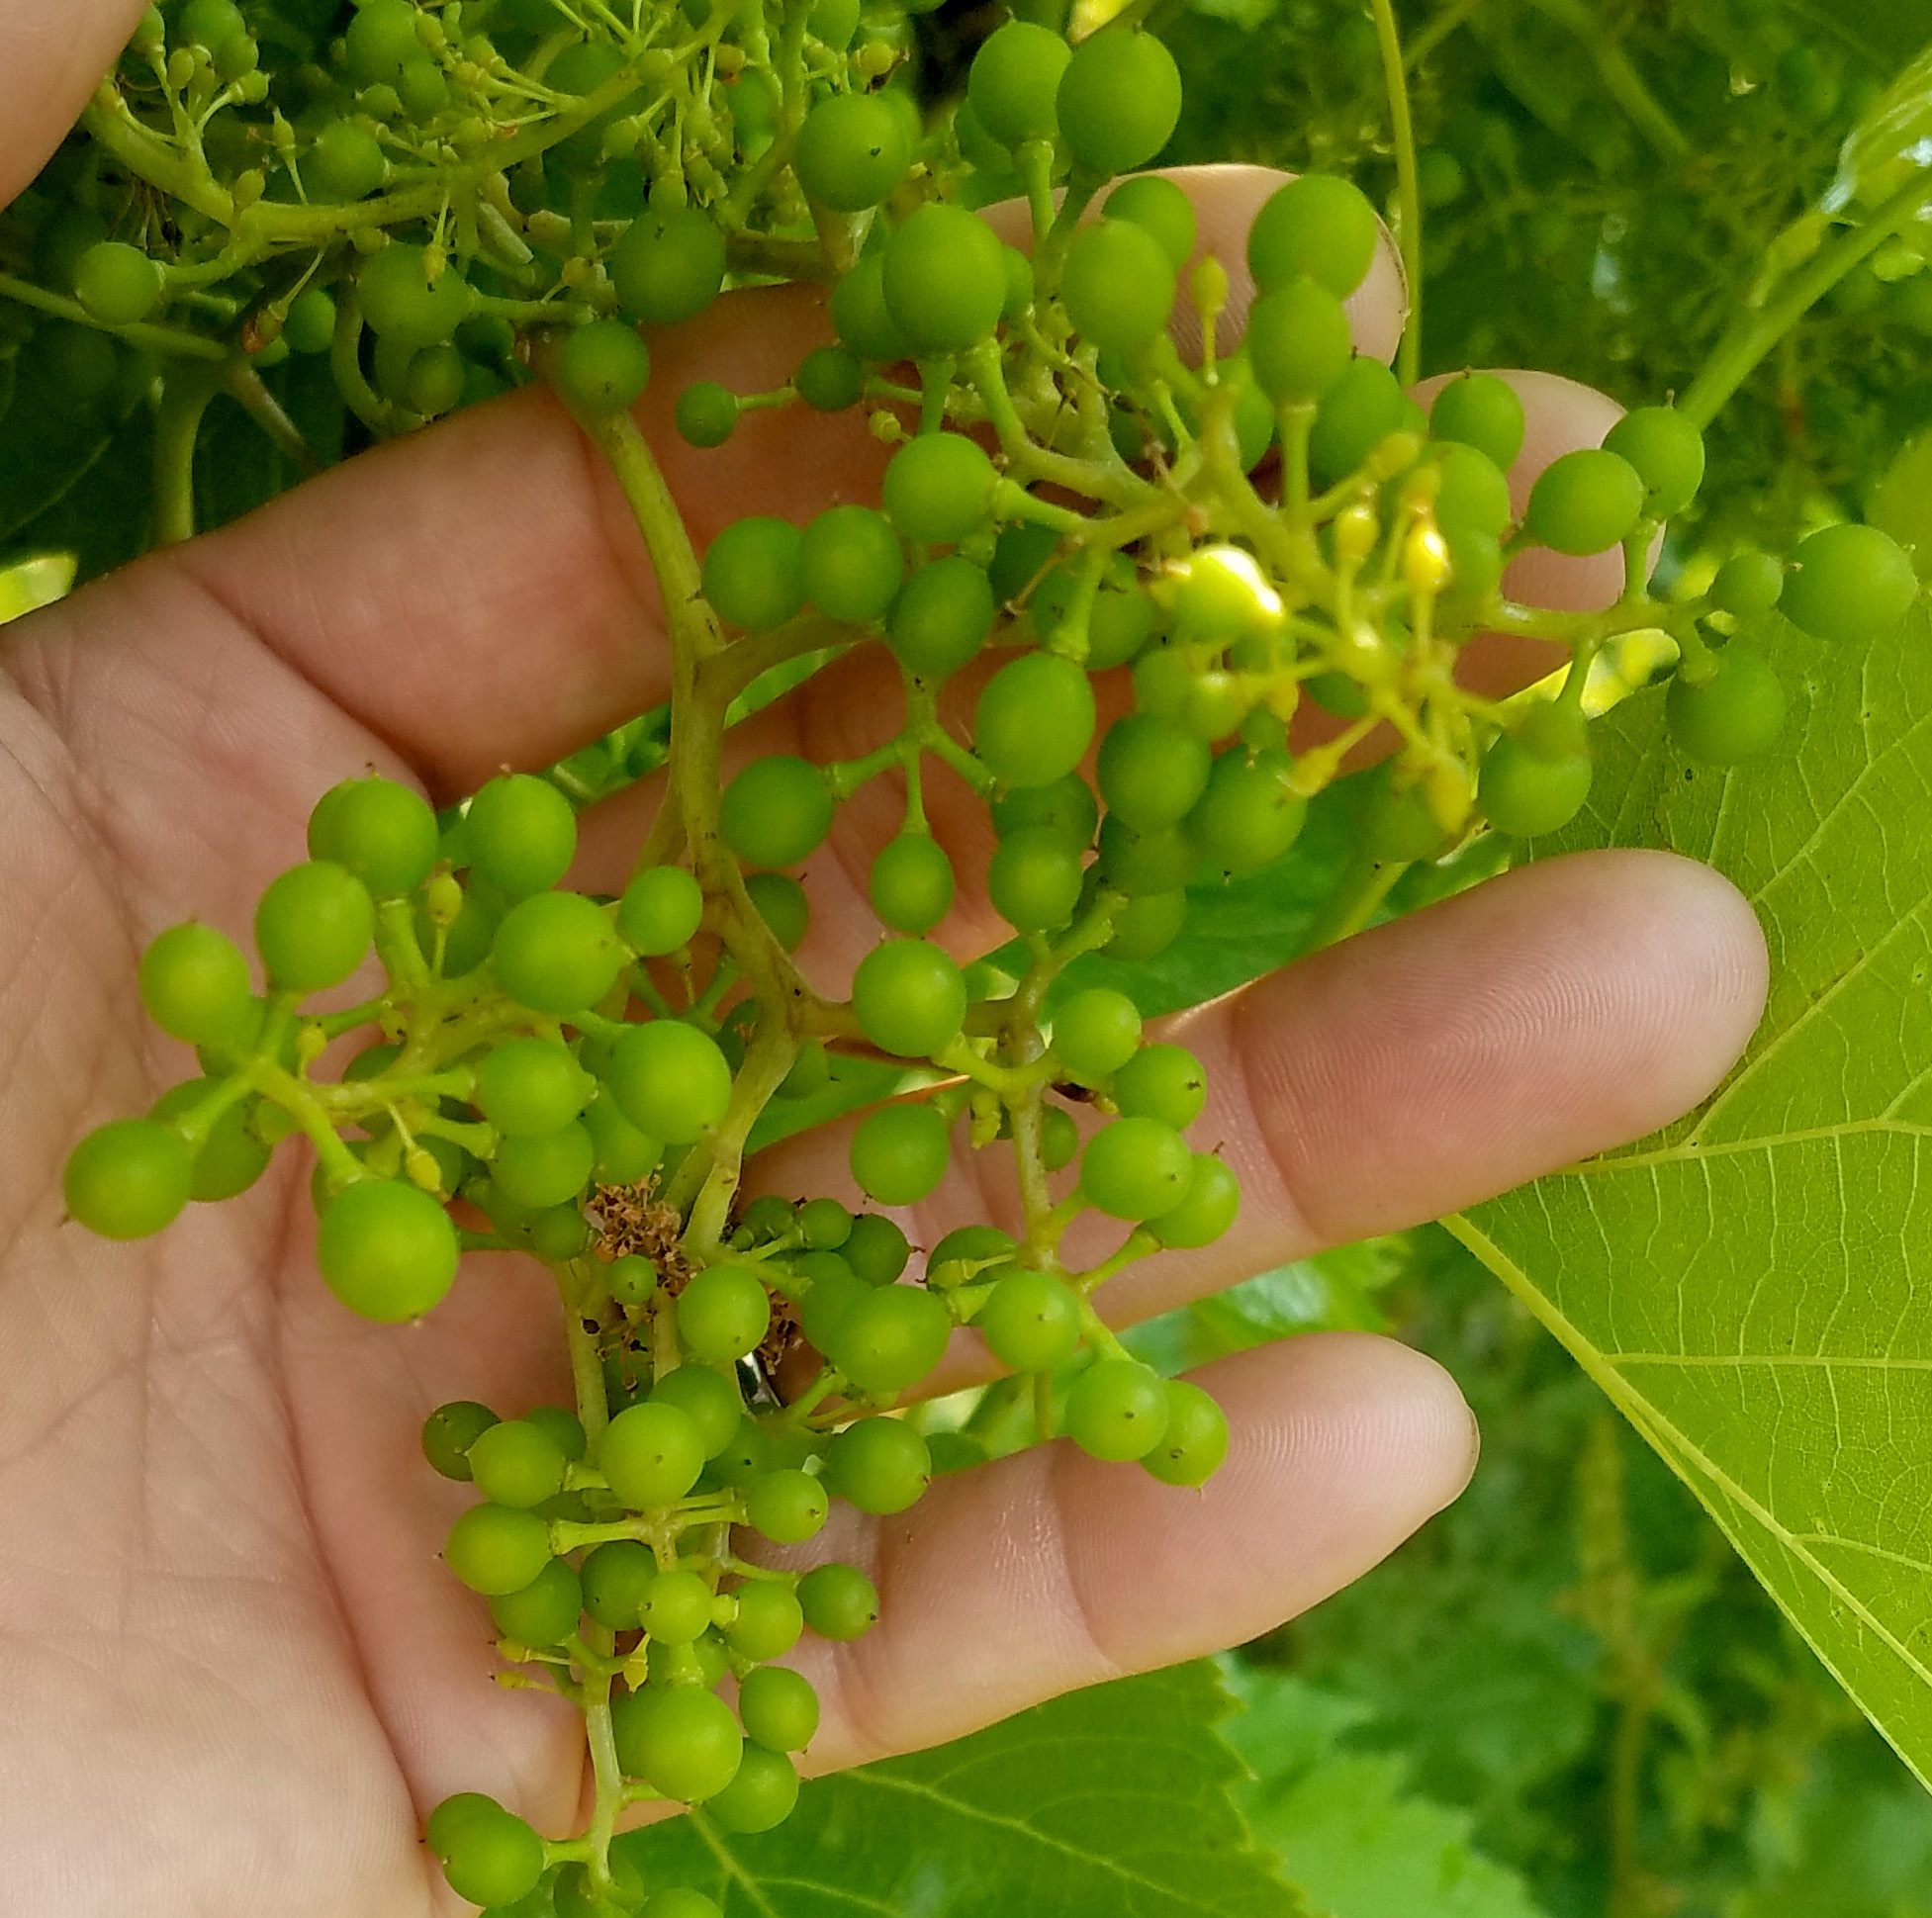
x: 222, y: 1614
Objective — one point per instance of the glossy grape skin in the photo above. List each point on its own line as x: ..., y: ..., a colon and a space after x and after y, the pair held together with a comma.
x: 853, y: 563
x: 876, y: 1250
x: 1537, y: 780
x: 945, y: 278
x: 685, y: 1741
x: 669, y: 266
x: 615, y: 1577
x: 759, y: 1796
x: 1846, y: 583
x: 651, y: 1454
x: 723, y: 1311
x: 496, y: 1549
x: 909, y: 997
x: 521, y: 834
x: 398, y: 301
x: 768, y: 1622
x: 1135, y: 1168
x: 1035, y: 879
x: 314, y: 926
x: 839, y: 1602
x: 1480, y: 409
x: 912, y: 883
x: 755, y: 573
x: 1733, y: 716
x: 1585, y: 502
x: 1206, y: 1210
x: 1194, y: 1439
x: 661, y: 909
x: 1316, y: 226
x: 1747, y: 583
x: 448, y: 1433
x: 899, y: 1154
x: 1118, y: 286
x: 127, y: 1180
x: 776, y: 811
x: 938, y: 488
x: 1032, y: 1321
x: 194, y: 984
x: 880, y: 1466
x: 545, y: 1169
x: 942, y: 617
x: 1299, y: 340
x: 494, y: 1860
x: 1118, y: 100
x: 891, y: 1338
x: 1096, y: 1032
x: 708, y: 1398
x: 1035, y: 719
x: 526, y: 1087
x: 516, y: 1463
x: 546, y: 1610
x: 779, y: 1707
x: 852, y: 152
x: 863, y: 320
x: 1666, y: 453
x: 1155, y: 202
x: 1013, y: 81
x: 556, y: 953
x: 1116, y: 1409
x: 786, y: 1506
x: 671, y: 1081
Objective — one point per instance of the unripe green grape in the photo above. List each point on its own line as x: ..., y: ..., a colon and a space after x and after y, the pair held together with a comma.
x: 1250, y: 813
x: 669, y: 266
x: 651, y: 1454
x: 435, y: 382
x: 839, y: 1602
x: 1143, y: 864
x: 777, y: 1706
x: 495, y: 1549
x: 680, y: 1901
x: 1035, y: 879
x: 1537, y: 780
x: 562, y: 1427
x: 761, y: 1796
x: 911, y: 883
x: 1318, y: 226
x: 615, y: 1578
x: 1035, y: 719
x: 345, y: 163
x: 768, y: 1622
x: 941, y: 617
x: 582, y: 69
x: 1118, y: 286
x: 494, y: 1860
x: 1096, y: 1032
x: 448, y: 1433
x: 825, y: 1223
x: 1136, y: 1170
x: 313, y: 927
x: 207, y: 23
x: 834, y: 22
x: 1585, y: 501
x: 852, y: 152
x: 526, y: 1087
x: 684, y: 1741
x: 545, y: 1169
x: 604, y: 367
x: 1357, y: 414
x: 521, y: 834
x: 1013, y: 79
x: 746, y: 1458
x: 127, y: 1180
x: 1747, y: 583
x: 706, y: 414
x: 786, y: 1506
x: 1666, y: 453
x: 231, y: 1157
x: 1119, y: 100
x: 1193, y: 1442
x: 194, y: 983
x: 829, y: 379
x: 909, y: 998
x: 1156, y: 203
x: 311, y: 324
x: 1480, y: 409
x: 1847, y: 583
x: 880, y: 1466
x: 671, y: 1081
x: 631, y: 1280
x: 1163, y: 1082
x: 1120, y: 625
x: 547, y: 1610
x: 782, y: 905
x: 380, y: 38
x: 1116, y: 1409
x: 676, y: 1608
x: 1060, y: 1139
x: 398, y: 301
x: 969, y: 1249
x: 515, y: 1463
x: 876, y: 1250
x: 1397, y: 822
x: 945, y: 278
x: 891, y: 1338
x: 660, y: 910
x: 461, y: 1808
x: 117, y: 283
x: 1150, y: 772
x: 863, y: 320
x: 1734, y: 715
x: 1473, y: 496
x: 708, y: 1399
x: 1207, y: 1209
x: 575, y: 1895
x: 724, y: 1312
x: 755, y: 573
x: 1299, y: 342
x: 899, y: 1154
x: 776, y: 811
x: 1066, y: 806
x: 1475, y: 566
x: 1032, y: 1321
x: 387, y: 1250
x: 558, y: 1233
x: 556, y: 953
x: 853, y: 563
x: 421, y: 88
x: 939, y: 488
x: 1147, y: 925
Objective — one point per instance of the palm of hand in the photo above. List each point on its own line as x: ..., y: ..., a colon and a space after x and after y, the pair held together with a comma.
x: 236, y: 1672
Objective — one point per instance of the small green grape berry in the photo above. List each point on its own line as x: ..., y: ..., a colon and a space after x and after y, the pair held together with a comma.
x: 776, y: 811
x: 782, y: 905
x: 1585, y: 501
x: 912, y: 883
x: 1013, y: 80
x: 852, y: 152
x: 759, y: 1796
x: 448, y: 1433
x: 1032, y: 1321
x: 1119, y: 100
x: 127, y: 1180
x: 1206, y: 1210
x: 651, y: 1454
x: 891, y: 1338
x: 786, y: 1506
x: 314, y: 926
x: 1666, y: 453
x: 829, y: 379
x: 768, y: 1622
x: 660, y: 910
x: 1118, y: 286
x: 1136, y: 1170
x: 117, y: 283
x: 344, y: 164
x: 779, y: 1707
x: 875, y: 1249
x: 671, y: 1079
x: 755, y: 573
x: 945, y: 278
x: 880, y: 1466
x: 909, y: 998
x: 1747, y: 583
x: 388, y: 1251
x: 706, y: 414
x: 1734, y: 715
x: 604, y: 367
x: 521, y: 834
x: 669, y: 266
x: 556, y: 953
x: 899, y: 1154
x: 528, y: 1087
x: 194, y: 983
x: 1096, y: 1032
x: 1194, y: 1440
x: 839, y: 1602
x: 1318, y: 226
x: 676, y: 1608
x: 495, y: 1549
x: 1482, y: 411
x: 1035, y: 719
x: 708, y: 1399
x: 1117, y: 1410
x: 516, y: 1463
x: 1153, y: 201
x: 547, y: 1610
x: 1848, y: 582
x: 724, y: 1312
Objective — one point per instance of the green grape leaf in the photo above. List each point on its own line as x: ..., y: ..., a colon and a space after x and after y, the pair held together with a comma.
x: 1348, y: 1831
x: 52, y: 444
x: 1114, y: 1799
x: 1749, y: 1286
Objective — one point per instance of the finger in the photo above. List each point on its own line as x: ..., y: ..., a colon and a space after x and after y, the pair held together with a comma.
x: 1227, y: 197
x: 1047, y: 1571
x: 53, y: 52
x: 1414, y: 1069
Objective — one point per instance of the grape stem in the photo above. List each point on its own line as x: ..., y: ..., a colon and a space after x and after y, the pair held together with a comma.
x: 1409, y: 202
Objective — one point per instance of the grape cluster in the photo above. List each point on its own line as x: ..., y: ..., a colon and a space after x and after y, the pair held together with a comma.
x: 1073, y: 520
